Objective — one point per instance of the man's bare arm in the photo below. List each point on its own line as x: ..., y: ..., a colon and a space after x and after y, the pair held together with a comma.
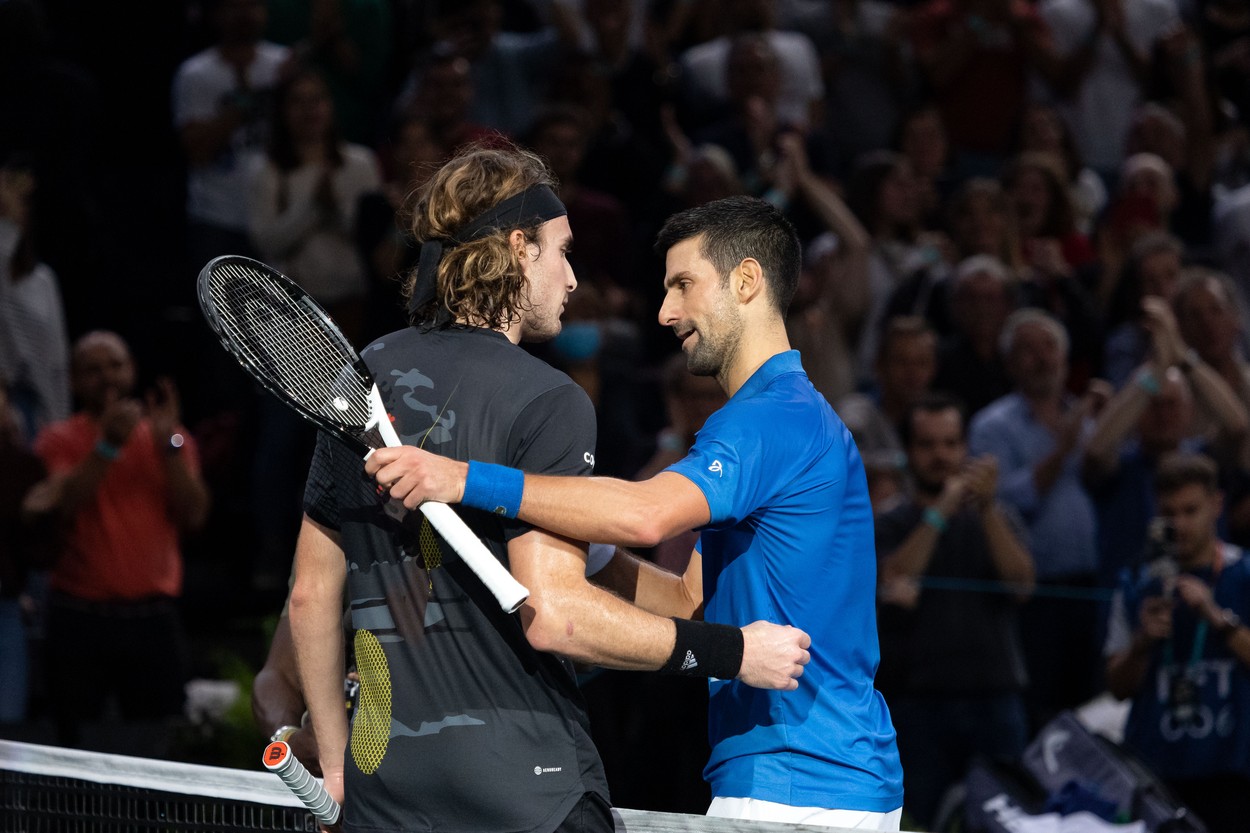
x: 569, y: 616
x: 316, y: 625
x: 653, y: 588
x: 634, y: 514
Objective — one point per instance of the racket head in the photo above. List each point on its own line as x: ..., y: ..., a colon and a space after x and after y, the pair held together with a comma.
x: 288, y: 343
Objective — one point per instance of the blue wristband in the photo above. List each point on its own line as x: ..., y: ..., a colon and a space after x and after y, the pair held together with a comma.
x: 107, y: 450
x: 493, y: 488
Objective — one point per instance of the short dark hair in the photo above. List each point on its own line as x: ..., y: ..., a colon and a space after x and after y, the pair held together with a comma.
x: 734, y: 229
x: 1178, y: 470
x: 931, y: 403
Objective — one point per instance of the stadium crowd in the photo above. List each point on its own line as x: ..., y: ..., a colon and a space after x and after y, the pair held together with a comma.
x: 1026, y: 230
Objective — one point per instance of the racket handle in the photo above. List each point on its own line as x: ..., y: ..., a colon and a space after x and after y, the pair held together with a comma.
x: 509, y: 592
x: 282, y: 762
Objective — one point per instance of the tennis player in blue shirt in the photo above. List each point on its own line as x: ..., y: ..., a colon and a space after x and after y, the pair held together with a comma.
x: 776, y: 486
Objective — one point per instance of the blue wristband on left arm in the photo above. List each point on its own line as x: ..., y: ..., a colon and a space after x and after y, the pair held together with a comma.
x: 495, y: 489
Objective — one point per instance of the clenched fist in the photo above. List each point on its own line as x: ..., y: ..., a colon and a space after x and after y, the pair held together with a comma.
x: 773, y: 655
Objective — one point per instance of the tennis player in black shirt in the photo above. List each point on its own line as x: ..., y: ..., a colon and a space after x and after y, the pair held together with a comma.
x: 468, y: 718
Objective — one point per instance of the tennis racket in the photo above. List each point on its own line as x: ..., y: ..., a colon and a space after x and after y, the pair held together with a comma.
x: 288, y: 343
x: 280, y: 761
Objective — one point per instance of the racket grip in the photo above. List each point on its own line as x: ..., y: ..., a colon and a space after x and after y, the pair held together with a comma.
x: 509, y: 592
x: 282, y: 762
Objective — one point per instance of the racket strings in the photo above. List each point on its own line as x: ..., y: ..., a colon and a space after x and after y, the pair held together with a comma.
x: 290, y: 343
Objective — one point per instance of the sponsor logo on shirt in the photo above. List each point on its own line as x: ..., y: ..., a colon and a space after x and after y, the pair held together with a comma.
x: 716, y: 468
x: 589, y: 458
x: 539, y: 770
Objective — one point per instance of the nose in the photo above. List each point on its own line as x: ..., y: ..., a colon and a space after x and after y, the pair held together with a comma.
x: 668, y: 312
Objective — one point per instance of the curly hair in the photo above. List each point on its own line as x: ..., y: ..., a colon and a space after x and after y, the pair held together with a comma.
x: 481, y: 282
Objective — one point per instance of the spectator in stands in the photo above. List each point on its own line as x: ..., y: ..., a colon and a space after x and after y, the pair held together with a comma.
x: 1207, y: 308
x: 832, y: 296
x: 977, y: 55
x: 868, y: 72
x: 882, y: 193
x: 982, y: 295
x: 1180, y: 137
x: 952, y: 669
x: 221, y: 100
x: 1148, y: 418
x: 1043, y: 130
x: 34, y: 346
x: 706, y: 74
x: 50, y: 114
x: 1152, y: 271
x: 443, y: 97
x: 599, y: 221
x: 1106, y: 47
x: 303, y: 199
x: 905, y: 369
x: 1045, y: 216
x: 1036, y: 433
x: 349, y: 43
x: 21, y: 549
x: 127, y: 485
x: 386, y: 247
x: 923, y: 142
x: 510, y: 71
x: 1179, y: 649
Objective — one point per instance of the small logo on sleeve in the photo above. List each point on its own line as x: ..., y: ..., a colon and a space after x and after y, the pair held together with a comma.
x: 589, y: 458
x: 716, y: 468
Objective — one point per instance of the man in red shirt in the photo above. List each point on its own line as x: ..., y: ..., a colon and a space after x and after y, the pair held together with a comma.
x: 127, y: 483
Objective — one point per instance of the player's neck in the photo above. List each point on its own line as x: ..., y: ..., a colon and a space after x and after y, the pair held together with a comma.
x: 755, y: 349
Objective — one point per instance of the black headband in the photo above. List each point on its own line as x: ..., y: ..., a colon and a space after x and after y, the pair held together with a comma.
x: 533, y: 206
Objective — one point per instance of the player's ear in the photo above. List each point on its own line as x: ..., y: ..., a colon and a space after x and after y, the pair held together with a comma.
x: 517, y: 241
x: 747, y: 280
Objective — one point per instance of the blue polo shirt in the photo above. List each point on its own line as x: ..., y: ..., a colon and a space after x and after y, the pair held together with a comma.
x: 791, y: 541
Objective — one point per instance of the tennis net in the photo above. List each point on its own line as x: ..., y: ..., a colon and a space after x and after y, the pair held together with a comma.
x: 45, y: 789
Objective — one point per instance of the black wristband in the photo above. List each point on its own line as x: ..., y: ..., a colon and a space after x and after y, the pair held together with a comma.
x: 705, y: 649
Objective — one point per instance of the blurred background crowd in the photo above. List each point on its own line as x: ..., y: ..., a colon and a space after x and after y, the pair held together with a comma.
x: 1040, y: 210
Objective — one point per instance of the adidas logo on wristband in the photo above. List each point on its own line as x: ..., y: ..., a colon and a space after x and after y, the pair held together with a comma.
x: 689, y: 662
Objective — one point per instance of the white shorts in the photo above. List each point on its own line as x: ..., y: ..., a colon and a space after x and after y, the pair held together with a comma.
x: 754, y: 809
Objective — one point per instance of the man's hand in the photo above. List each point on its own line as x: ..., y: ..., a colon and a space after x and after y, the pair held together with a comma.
x: 334, y: 786
x: 1197, y: 596
x: 119, y: 418
x: 773, y: 656
x: 303, y: 743
x: 981, y: 476
x: 1155, y: 619
x: 163, y: 410
x: 414, y: 476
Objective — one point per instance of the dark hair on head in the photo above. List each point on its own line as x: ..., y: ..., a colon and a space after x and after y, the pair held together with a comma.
x: 933, y: 402
x: 903, y: 326
x: 556, y: 115
x: 1193, y: 277
x: 1060, y: 219
x: 481, y: 281
x: 281, y: 147
x: 1178, y: 470
x: 734, y: 229
x: 863, y: 189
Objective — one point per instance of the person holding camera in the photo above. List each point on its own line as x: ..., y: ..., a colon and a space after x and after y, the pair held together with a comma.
x: 1178, y: 647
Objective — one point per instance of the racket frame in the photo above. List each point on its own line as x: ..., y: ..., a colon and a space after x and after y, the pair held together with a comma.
x: 377, y: 432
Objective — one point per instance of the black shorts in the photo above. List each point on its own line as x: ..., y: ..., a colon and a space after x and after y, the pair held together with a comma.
x: 590, y: 815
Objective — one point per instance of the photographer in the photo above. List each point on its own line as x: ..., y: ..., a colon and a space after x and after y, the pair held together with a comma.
x: 1177, y: 646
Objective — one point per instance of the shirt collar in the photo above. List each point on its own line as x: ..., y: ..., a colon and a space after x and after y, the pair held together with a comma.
x: 787, y: 362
